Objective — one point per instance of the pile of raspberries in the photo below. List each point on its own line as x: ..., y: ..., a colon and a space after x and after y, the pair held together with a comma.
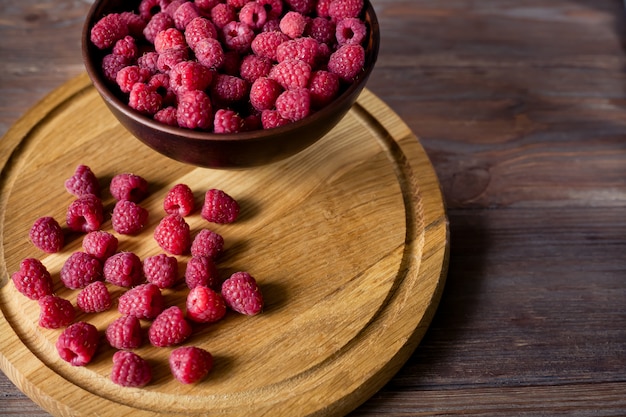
x: 102, y: 265
x: 228, y: 66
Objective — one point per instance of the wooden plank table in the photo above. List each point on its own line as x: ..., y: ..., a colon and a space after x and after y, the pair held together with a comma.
x: 521, y: 106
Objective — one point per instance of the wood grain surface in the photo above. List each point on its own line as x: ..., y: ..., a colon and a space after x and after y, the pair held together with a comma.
x: 521, y: 107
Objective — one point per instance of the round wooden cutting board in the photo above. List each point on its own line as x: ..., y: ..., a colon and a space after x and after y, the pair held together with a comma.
x: 348, y: 241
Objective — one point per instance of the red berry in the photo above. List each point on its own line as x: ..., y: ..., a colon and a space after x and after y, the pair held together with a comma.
x: 46, y: 234
x: 130, y: 75
x: 291, y: 73
x: 170, y: 38
x: 55, y: 312
x: 254, y: 66
x: 78, y: 343
x: 149, y: 8
x: 301, y: 6
x: 222, y: 14
x: 179, y: 200
x: 161, y: 270
x: 108, y: 30
x: 271, y: 119
x: 190, y: 364
x: 228, y: 89
x: 85, y: 214
x: 322, y: 30
x: 201, y: 270
x: 144, y: 301
x: 207, y: 243
x: 111, y: 64
x: 205, y: 305
x: 129, y: 187
x: 130, y: 370
x: 219, y: 207
x: 144, y: 98
x: 168, y: 59
x: 189, y: 75
x: 323, y: 88
x: 198, y: 29
x: 94, y: 298
x: 169, y: 328
x: 194, y: 110
x: 157, y: 23
x: 227, y: 121
x: 149, y: 61
x: 126, y: 47
x: 264, y: 92
x: 347, y: 62
x: 304, y: 49
x: 124, y: 333
x: 32, y: 279
x: 242, y: 294
x: 100, y: 244
x: 294, y: 104
x: 209, y: 52
x: 341, y: 9
x: 123, y: 269
x: 293, y: 24
x: 128, y: 217
x: 273, y: 8
x: 265, y: 44
x: 350, y: 31
x: 167, y: 116
x: 173, y: 234
x: 80, y: 269
x: 253, y: 14
x: 83, y: 182
x: 184, y: 14
x: 237, y: 36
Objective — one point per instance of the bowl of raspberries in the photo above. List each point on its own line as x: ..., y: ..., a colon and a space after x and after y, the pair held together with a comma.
x: 230, y: 83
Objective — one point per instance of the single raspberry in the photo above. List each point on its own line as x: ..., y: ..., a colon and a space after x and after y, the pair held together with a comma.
x: 227, y: 89
x: 201, y: 270
x: 194, y: 110
x: 227, y: 121
x: 108, y: 30
x: 168, y: 59
x: 242, y: 294
x: 264, y: 92
x: 94, y: 298
x: 293, y: 24
x: 112, y: 64
x: 127, y: 186
x: 100, y: 244
x: 237, y: 36
x: 161, y: 83
x: 190, y: 364
x: 169, y: 328
x: 273, y: 25
x: 184, y: 14
x: 207, y: 243
x: 46, y: 234
x: 347, y: 62
x: 157, y: 23
x: 322, y: 30
x: 273, y: 8
x: 170, y: 38
x: 253, y: 14
x: 254, y: 66
x: 128, y: 76
x: 198, y: 29
x: 291, y: 73
x: 179, y: 200
x: 265, y: 44
x: 144, y: 98
x: 219, y: 207
x: 172, y: 6
x: 189, y: 75
x: 173, y: 234
x: 128, y: 218
x: 222, y: 14
x: 83, y: 182
x: 294, y: 104
x: 206, y: 5
x: 205, y: 305
x: 350, y: 31
x: 301, y: 6
x: 126, y: 47
x: 323, y: 88
x: 78, y: 343
x: 32, y: 279
x: 209, y: 52
x: 144, y: 301
x: 135, y: 23
x: 55, y: 312
x: 124, y: 333
x: 85, y: 214
x: 130, y: 370
x: 271, y: 119
x: 305, y: 49
x: 149, y: 8
x: 322, y: 7
x: 167, y: 116
x: 80, y: 269
x: 341, y: 9
x: 161, y: 270
x: 149, y: 61
x: 123, y: 269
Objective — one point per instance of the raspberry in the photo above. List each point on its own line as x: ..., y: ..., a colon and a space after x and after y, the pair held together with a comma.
x: 242, y: 294
x: 293, y: 24
x: 144, y: 98
x: 209, y: 52
x: 94, y: 298
x: 161, y: 270
x: 149, y: 8
x: 323, y: 88
x: 108, y: 30
x: 190, y: 364
x: 78, y: 343
x: 184, y: 14
x: 179, y: 200
x: 100, y: 244
x: 265, y: 44
x: 130, y: 370
x: 228, y: 89
x: 291, y: 73
x: 149, y: 61
x: 271, y: 119
x: 201, y: 271
x: 254, y: 66
x: 194, y: 110
x: 206, y: 5
x: 55, y: 312
x: 347, y: 62
x: 264, y: 92
x: 222, y: 14
x: 128, y: 76
x: 124, y: 333
x: 219, y: 207
x: 253, y: 14
x: 301, y: 6
x: 273, y: 8
x: 173, y: 234
x: 294, y: 104
x: 322, y: 30
x: 144, y: 301
x: 82, y: 182
x: 161, y: 83
x: 157, y: 23
x: 273, y: 25
x: 80, y: 269
x: 111, y: 64
x: 341, y: 9
x: 304, y: 49
x: 170, y: 38
x: 237, y: 4
x: 350, y: 31
x: 189, y: 75
x: 207, y: 243
x: 166, y: 116
x: 322, y: 7
x: 227, y: 121
x: 128, y: 218
x: 198, y: 29
x: 85, y: 214
x: 169, y: 328
x: 126, y: 47
x: 123, y: 269
x: 168, y: 59
x: 172, y: 6
x: 46, y: 234
x: 135, y: 23
x: 237, y: 36
x: 129, y: 187
x: 32, y: 279
x: 205, y: 305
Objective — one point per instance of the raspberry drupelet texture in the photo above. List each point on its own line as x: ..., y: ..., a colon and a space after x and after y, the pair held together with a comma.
x: 80, y: 269
x: 342, y: 9
x: 161, y: 270
x: 168, y: 59
x: 207, y: 243
x: 148, y: 8
x: 47, y: 234
x: 322, y: 30
x: 202, y: 271
x: 32, y: 279
x: 55, y: 312
x: 126, y: 47
x: 170, y: 38
x: 145, y: 301
x: 271, y: 118
x: 206, y: 5
x: 294, y: 104
x: 227, y: 90
x: 157, y: 23
x: 304, y: 49
x: 242, y: 294
x: 108, y: 30
x: 169, y: 328
x: 144, y: 98
x: 273, y: 8
x: 228, y: 121
x: 83, y: 182
x: 253, y: 67
x: 204, y: 305
x: 149, y: 61
x: 198, y: 29
x: 184, y: 14
x: 219, y: 207
x: 130, y: 370
x: 128, y: 76
x: 264, y: 92
x: 78, y: 343
x: 173, y: 234
x: 189, y: 76
x: 135, y: 23
x: 161, y: 82
x: 253, y: 14
x: 194, y: 110
x: 128, y: 186
x: 94, y: 298
x: 85, y: 214
x: 347, y: 62
x: 111, y: 64
x: 265, y: 44
x: 301, y: 6
x: 323, y: 88
x: 179, y: 200
x: 237, y: 36
x: 291, y: 73
x: 124, y: 333
x: 222, y: 14
x: 123, y: 269
x: 167, y: 116
x: 100, y: 244
x: 190, y: 364
x: 209, y: 52
x: 128, y: 218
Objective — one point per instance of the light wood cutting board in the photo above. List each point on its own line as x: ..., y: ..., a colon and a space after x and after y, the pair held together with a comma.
x: 348, y: 241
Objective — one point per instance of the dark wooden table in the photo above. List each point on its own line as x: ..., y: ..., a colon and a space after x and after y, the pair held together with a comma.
x: 521, y: 106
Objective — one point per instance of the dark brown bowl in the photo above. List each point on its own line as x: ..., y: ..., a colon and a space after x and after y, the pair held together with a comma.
x: 239, y: 150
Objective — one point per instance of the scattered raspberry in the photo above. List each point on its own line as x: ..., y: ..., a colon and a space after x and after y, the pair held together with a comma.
x: 198, y: 29
x: 347, y: 62
x: 173, y: 234
x: 94, y: 298
x: 190, y: 364
x: 179, y: 200
x: 80, y: 269
x: 161, y: 270
x: 189, y: 75
x: 237, y: 36
x: 207, y: 243
x: 170, y: 38
x: 264, y: 92
x: 228, y: 89
x: 227, y: 121
x: 55, y: 312
x: 111, y: 64
x: 108, y: 30
x: 242, y: 294
x: 271, y: 119
x: 126, y: 47
x: 128, y: 217
x: 265, y: 44
x: 304, y: 49
x: 78, y: 343
x: 184, y: 14
x: 294, y: 104
x: 350, y: 31
x: 144, y: 98
x: 254, y: 66
x: 124, y: 333
x: 46, y: 234
x: 144, y: 301
x: 209, y: 52
x: 123, y: 269
x: 169, y: 328
x: 129, y: 187
x: 342, y: 9
x: 205, y: 305
x: 85, y: 214
x: 194, y: 110
x: 100, y: 244
x: 128, y: 76
x: 202, y: 271
x: 219, y: 207
x: 323, y: 88
x: 157, y: 23
x: 83, y: 182
x: 130, y: 370
x: 291, y: 73
x: 253, y: 14
x: 32, y: 279
x: 222, y: 14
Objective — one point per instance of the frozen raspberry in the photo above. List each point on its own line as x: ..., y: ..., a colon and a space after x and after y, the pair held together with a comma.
x: 189, y: 75
x: 126, y: 47
x: 144, y: 301
x: 100, y: 244
x: 227, y: 89
x: 168, y: 59
x: 265, y: 44
x: 149, y: 8
x: 190, y: 364
x: 128, y: 218
x: 94, y: 298
x: 341, y: 9
x: 46, y: 234
x: 242, y: 294
x: 198, y: 29
x: 161, y: 270
x: 301, y: 6
x: 201, y: 270
x: 169, y: 328
x: 128, y: 76
x: 264, y: 92
x: 271, y: 119
x: 204, y: 305
x: 227, y: 121
x: 323, y: 88
x: 78, y: 343
x: 123, y: 269
x: 222, y: 14
x: 124, y: 333
x: 32, y: 279
x: 273, y: 8
x: 80, y: 269
x: 219, y: 207
x: 293, y: 24
x: 157, y: 23
x: 291, y: 73
x: 149, y: 61
x: 166, y: 116
x: 85, y: 214
x: 253, y: 14
x: 350, y: 31
x: 170, y: 38
x: 127, y: 186
x: 209, y: 52
x: 304, y: 49
x: 179, y: 200
x: 347, y: 62
x: 130, y: 370
x: 184, y: 14
x: 135, y: 24
x: 55, y: 312
x: 254, y: 66
x: 111, y: 64
x: 207, y: 243
x: 161, y: 82
x: 108, y: 30
x: 322, y: 30
x: 145, y: 99
x: 294, y: 104
x: 237, y: 36
x: 173, y: 234
x: 83, y: 182
x: 194, y: 110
